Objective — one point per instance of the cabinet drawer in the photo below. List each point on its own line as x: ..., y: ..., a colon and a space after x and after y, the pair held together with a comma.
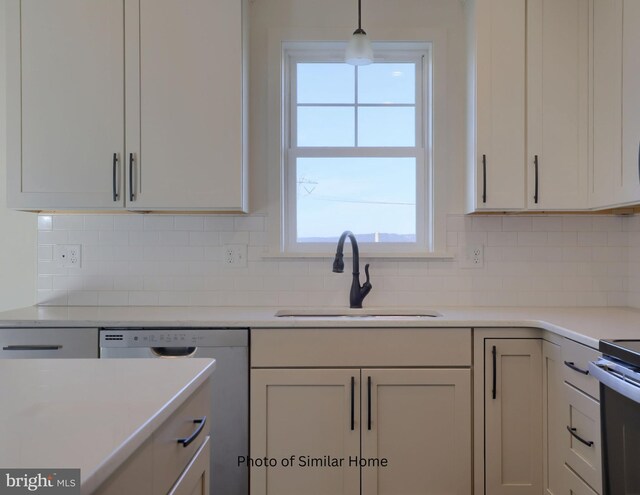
x: 583, y: 415
x: 170, y: 457
x: 576, y: 359
x: 48, y: 343
x: 360, y: 347
x: 575, y: 486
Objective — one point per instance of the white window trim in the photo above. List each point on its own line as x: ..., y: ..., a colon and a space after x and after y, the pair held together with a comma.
x: 433, y: 161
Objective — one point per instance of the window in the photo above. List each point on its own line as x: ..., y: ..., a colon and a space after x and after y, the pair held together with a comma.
x: 356, y: 148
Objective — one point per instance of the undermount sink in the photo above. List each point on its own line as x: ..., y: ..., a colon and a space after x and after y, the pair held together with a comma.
x: 365, y: 312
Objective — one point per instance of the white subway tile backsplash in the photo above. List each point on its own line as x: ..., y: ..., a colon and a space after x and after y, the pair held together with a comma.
x: 68, y: 222
x: 99, y: 222
x: 153, y: 260
x: 517, y: 224
x: 45, y: 222
x: 188, y: 222
x: 158, y: 222
x: 128, y: 222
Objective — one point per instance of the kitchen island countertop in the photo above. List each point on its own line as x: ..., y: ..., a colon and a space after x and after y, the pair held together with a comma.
x: 586, y: 325
x: 90, y: 414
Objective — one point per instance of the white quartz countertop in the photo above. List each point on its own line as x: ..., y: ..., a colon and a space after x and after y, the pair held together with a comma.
x: 90, y: 414
x: 585, y: 325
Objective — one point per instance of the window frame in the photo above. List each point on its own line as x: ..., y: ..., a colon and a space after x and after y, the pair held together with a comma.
x: 420, y: 53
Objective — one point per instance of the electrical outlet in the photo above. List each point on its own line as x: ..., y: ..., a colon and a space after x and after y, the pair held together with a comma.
x: 68, y: 255
x: 473, y: 256
x: 235, y: 255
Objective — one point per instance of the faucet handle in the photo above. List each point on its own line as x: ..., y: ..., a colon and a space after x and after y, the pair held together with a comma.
x: 366, y: 287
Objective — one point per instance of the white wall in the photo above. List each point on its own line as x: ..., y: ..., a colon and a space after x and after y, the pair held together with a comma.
x: 17, y: 230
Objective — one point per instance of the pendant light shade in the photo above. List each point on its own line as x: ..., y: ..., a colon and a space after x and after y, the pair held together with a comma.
x: 359, y: 50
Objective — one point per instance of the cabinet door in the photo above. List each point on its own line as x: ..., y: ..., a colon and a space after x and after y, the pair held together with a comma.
x: 606, y: 186
x: 313, y: 415
x: 65, y: 103
x: 558, y: 103
x: 553, y: 427
x: 631, y: 101
x: 498, y: 156
x: 185, y: 114
x: 420, y: 422
x: 195, y: 478
x: 513, y: 416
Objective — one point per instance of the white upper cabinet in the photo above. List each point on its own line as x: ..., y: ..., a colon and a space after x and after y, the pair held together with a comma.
x: 557, y: 104
x: 65, y: 103
x: 631, y: 102
x: 497, y: 109
x: 185, y: 105
x: 615, y: 178
x: 137, y: 104
x: 529, y: 120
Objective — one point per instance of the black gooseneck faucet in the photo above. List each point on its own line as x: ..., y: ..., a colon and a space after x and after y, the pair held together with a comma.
x: 358, y: 292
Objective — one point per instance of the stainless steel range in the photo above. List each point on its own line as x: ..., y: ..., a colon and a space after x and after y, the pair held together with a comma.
x: 230, y: 421
x: 619, y: 374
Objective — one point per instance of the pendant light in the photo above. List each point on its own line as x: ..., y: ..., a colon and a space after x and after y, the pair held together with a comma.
x: 359, y: 50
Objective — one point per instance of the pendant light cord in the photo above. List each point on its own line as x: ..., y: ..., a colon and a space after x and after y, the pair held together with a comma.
x: 359, y: 30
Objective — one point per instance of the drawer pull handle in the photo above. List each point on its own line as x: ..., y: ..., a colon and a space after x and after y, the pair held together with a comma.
x: 369, y: 403
x: 187, y: 441
x: 493, y: 384
x: 353, y: 405
x: 588, y: 443
x: 32, y: 347
x: 572, y: 365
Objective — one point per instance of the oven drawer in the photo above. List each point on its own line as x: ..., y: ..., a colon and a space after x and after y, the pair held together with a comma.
x: 576, y: 358
x: 583, y: 451
x: 575, y: 486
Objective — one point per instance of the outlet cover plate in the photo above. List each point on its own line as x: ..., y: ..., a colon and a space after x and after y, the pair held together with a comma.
x: 235, y: 255
x: 472, y: 256
x: 68, y: 255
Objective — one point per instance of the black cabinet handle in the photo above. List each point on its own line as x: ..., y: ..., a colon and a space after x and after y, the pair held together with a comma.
x: 638, y: 161
x: 368, y: 403
x: 572, y: 365
x: 588, y: 443
x: 493, y: 387
x: 535, y: 191
x: 115, y: 177
x: 32, y: 348
x: 132, y: 196
x: 484, y: 178
x: 353, y: 403
x: 187, y: 441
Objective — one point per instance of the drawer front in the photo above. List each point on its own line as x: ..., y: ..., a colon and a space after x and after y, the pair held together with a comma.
x: 576, y: 359
x: 170, y: 457
x: 48, y: 343
x: 583, y: 414
x: 360, y: 347
x: 575, y: 486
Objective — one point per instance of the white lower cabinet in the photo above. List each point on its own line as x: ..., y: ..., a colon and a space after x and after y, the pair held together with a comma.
x: 369, y: 431
x: 552, y: 420
x: 164, y: 466
x: 513, y: 416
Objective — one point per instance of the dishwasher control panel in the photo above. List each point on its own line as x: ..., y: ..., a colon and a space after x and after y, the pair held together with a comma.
x: 174, y: 337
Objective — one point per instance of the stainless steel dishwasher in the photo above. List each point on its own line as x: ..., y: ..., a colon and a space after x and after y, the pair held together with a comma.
x: 230, y: 416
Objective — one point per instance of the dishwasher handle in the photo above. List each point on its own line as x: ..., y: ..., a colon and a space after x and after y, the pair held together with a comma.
x: 174, y: 352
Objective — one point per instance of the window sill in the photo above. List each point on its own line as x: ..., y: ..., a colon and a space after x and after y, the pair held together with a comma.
x: 363, y: 254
